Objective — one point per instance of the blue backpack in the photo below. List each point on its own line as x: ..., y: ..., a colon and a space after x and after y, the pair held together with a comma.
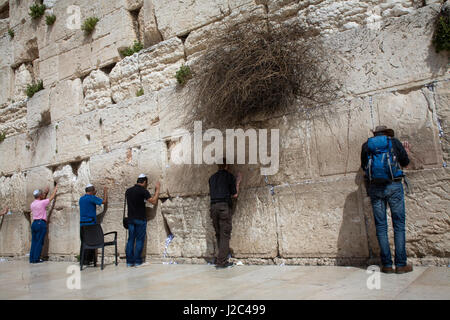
x: 382, y: 164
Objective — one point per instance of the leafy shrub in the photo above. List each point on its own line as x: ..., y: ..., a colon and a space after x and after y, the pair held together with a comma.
x: 11, y: 33
x: 140, y: 92
x: 136, y: 47
x: 183, y: 74
x: 89, y: 24
x: 37, y: 10
x: 2, y: 136
x: 441, y: 37
x: 49, y: 20
x: 33, y: 88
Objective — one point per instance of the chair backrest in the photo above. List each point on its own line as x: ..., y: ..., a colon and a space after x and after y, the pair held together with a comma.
x: 92, y: 235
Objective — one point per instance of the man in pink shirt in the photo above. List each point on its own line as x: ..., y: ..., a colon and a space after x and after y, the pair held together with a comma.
x: 39, y: 225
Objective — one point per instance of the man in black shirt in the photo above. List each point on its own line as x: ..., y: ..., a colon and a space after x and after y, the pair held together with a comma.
x: 388, y: 192
x: 223, y: 187
x: 137, y: 218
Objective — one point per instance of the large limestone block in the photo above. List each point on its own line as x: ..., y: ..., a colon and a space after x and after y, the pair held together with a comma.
x: 13, y: 192
x: 199, y: 39
x: 428, y: 217
x: 78, y: 137
x: 322, y: 218
x: 18, y: 11
x: 148, y: 26
x: 27, y: 37
x: 23, y: 76
x: 8, y: 148
x: 125, y: 79
x: 159, y: 63
x: 13, y: 118
x: 188, y: 221
x: 97, y: 91
x: 49, y: 71
x: 396, y: 54
x: 15, y: 235
x: 254, y: 231
x: 130, y: 123
x: 410, y: 115
x: 5, y: 49
x: 63, y: 226
x: 38, y: 110
x: 179, y: 17
x: 7, y: 84
x: 442, y: 98
x: 339, y: 137
x: 66, y: 99
x: 42, y: 148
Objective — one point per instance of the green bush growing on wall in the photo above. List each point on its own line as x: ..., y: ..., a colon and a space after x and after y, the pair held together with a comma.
x: 183, y: 74
x: 37, y: 10
x: 11, y: 33
x: 49, y: 20
x: 136, y: 47
x: 441, y: 38
x: 2, y: 136
x: 140, y: 92
x: 89, y: 24
x: 33, y: 88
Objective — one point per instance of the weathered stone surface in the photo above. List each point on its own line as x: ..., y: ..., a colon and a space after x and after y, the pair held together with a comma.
x: 125, y: 79
x: 442, y: 100
x: 13, y: 118
x: 26, y: 39
x: 97, y: 91
x: 321, y: 219
x: 42, y: 147
x: 199, y: 39
x: 37, y: 178
x: 398, y: 53
x: 38, y: 110
x: 180, y: 17
x: 188, y: 220
x: 255, y: 227
x: 414, y: 123
x: 66, y: 99
x: 78, y: 137
x: 148, y: 26
x: 159, y: 63
x: 22, y: 78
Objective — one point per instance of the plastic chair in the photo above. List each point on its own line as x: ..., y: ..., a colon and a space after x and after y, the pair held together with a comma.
x: 93, y: 238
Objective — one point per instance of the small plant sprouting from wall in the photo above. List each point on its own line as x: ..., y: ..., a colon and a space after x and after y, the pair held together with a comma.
x: 441, y: 37
x: 136, y: 47
x: 140, y: 92
x: 255, y: 68
x: 88, y: 25
x: 33, y: 88
x: 50, y: 20
x: 36, y: 10
x: 2, y: 136
x: 183, y: 74
x: 11, y: 33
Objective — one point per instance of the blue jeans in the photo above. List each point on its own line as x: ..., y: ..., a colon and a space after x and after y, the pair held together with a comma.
x: 137, y: 229
x: 38, y: 231
x: 380, y: 196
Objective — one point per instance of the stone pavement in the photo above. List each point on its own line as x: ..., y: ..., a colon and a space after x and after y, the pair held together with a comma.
x: 48, y: 280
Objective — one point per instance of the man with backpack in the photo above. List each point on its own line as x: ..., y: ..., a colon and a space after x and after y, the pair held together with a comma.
x: 382, y: 157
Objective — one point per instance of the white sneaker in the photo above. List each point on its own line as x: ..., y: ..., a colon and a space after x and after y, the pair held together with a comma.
x: 142, y: 265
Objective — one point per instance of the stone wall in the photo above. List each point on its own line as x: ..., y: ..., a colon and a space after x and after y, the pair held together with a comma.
x: 89, y: 126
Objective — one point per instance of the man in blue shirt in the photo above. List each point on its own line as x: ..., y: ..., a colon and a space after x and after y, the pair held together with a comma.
x: 88, y: 213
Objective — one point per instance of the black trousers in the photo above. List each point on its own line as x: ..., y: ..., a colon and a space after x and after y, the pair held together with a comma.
x: 221, y: 218
x: 89, y: 254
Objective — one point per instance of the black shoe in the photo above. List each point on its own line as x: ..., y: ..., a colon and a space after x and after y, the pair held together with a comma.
x: 223, y: 266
